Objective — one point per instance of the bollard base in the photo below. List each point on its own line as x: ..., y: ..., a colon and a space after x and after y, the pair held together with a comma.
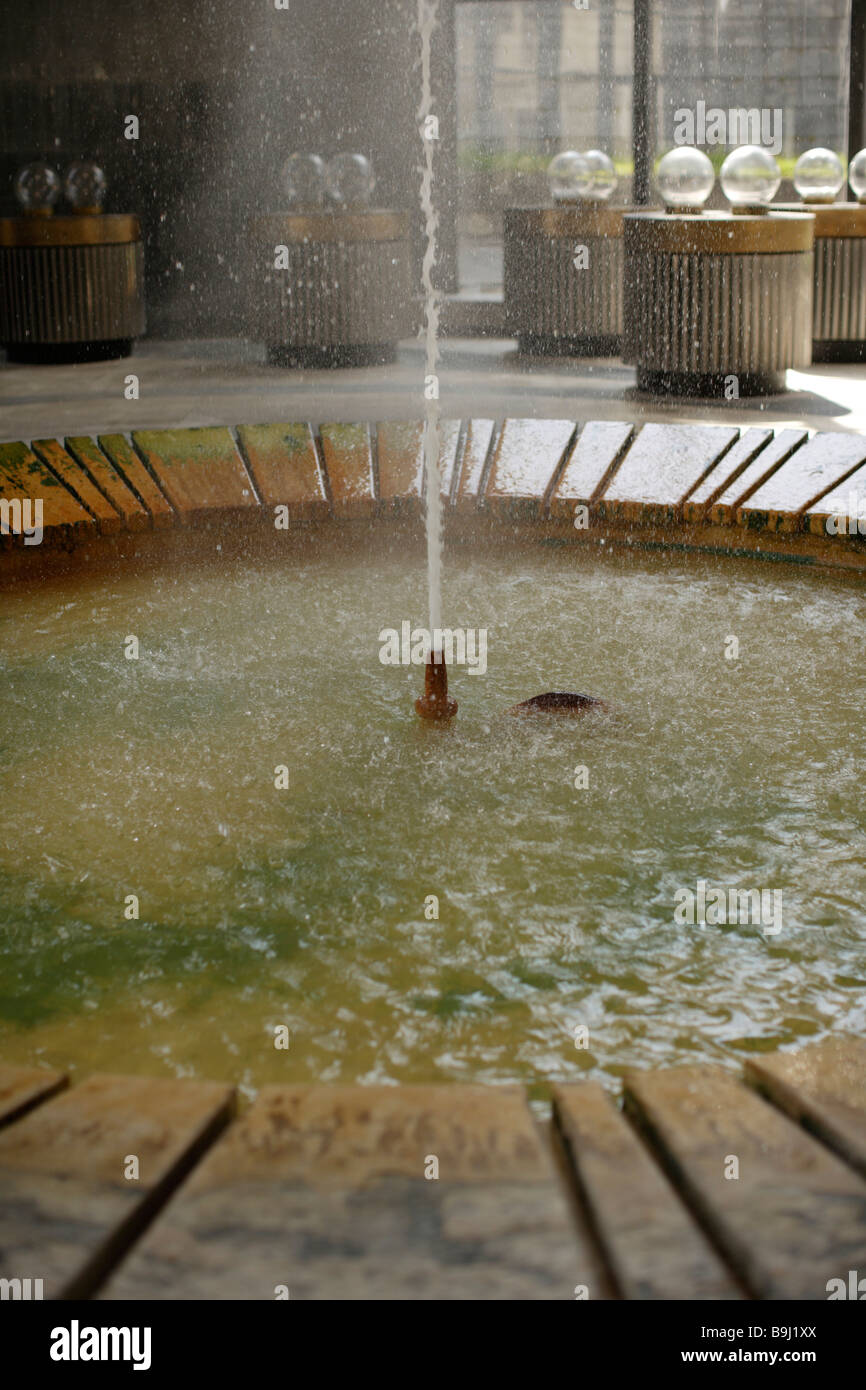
x: 839, y: 350
x: 569, y: 345
x: 350, y: 355
x: 60, y: 354
x: 710, y: 385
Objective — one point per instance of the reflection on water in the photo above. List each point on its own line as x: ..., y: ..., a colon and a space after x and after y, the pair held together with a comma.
x: 306, y: 906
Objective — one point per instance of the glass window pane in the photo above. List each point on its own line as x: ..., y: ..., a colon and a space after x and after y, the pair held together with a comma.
x: 533, y: 77
x: 786, y: 60
x: 538, y: 76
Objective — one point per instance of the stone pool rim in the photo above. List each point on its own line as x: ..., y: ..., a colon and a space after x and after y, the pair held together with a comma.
x: 715, y: 489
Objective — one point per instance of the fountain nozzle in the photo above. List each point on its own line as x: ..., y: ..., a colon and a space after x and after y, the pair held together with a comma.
x: 434, y: 703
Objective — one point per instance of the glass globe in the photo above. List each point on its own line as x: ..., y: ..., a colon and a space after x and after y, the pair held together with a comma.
x: 37, y: 187
x: 349, y: 180
x: 818, y: 176
x: 603, y: 178
x: 750, y: 177
x: 303, y: 177
x: 85, y: 185
x: 569, y: 176
x: 685, y: 177
x: 857, y: 176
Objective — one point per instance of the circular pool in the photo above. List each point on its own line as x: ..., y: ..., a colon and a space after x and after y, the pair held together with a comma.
x: 498, y: 899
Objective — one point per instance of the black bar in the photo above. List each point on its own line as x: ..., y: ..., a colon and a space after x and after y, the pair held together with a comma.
x: 223, y: 1340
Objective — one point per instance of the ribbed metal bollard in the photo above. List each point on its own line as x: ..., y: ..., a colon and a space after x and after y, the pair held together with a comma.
x: 338, y: 293
x: 715, y: 296
x: 71, y: 288
x: 563, y: 278
x: 839, y: 316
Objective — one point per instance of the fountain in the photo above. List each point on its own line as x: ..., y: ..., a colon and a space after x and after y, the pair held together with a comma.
x: 434, y: 704
x: 223, y: 855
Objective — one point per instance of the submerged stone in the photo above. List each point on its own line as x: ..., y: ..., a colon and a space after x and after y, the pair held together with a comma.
x: 559, y: 702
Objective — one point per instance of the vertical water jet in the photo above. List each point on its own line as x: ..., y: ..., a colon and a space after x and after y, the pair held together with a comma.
x: 434, y: 703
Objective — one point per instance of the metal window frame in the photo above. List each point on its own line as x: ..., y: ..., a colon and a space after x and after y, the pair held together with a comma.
x: 857, y: 79
x: 642, y: 133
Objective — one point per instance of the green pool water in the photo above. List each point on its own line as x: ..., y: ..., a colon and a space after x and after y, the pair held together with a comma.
x: 305, y: 907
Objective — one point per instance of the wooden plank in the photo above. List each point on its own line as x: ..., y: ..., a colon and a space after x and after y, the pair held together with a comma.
x: 400, y: 456
x: 813, y: 470
x: 110, y: 481
x: 23, y: 1087
x: 600, y: 448
x: 348, y: 455
x: 794, y: 1217
x: 449, y: 444
x: 285, y: 467
x: 729, y: 467
x: 526, y: 458
x: 665, y: 463
x: 66, y: 1208
x: 450, y: 432
x: 200, y: 471
x: 70, y: 472
x: 322, y: 1189
x: 649, y: 1238
x: 132, y: 470
x: 823, y: 1086
x: 842, y: 511
x: 479, y: 435
x: 723, y: 509
x: 24, y: 477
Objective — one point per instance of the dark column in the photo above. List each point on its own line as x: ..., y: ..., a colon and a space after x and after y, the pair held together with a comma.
x: 549, y: 53
x: 444, y: 63
x: 857, y: 79
x: 606, y: 78
x: 642, y: 115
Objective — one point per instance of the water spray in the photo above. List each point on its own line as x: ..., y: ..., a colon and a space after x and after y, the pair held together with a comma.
x: 434, y: 703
